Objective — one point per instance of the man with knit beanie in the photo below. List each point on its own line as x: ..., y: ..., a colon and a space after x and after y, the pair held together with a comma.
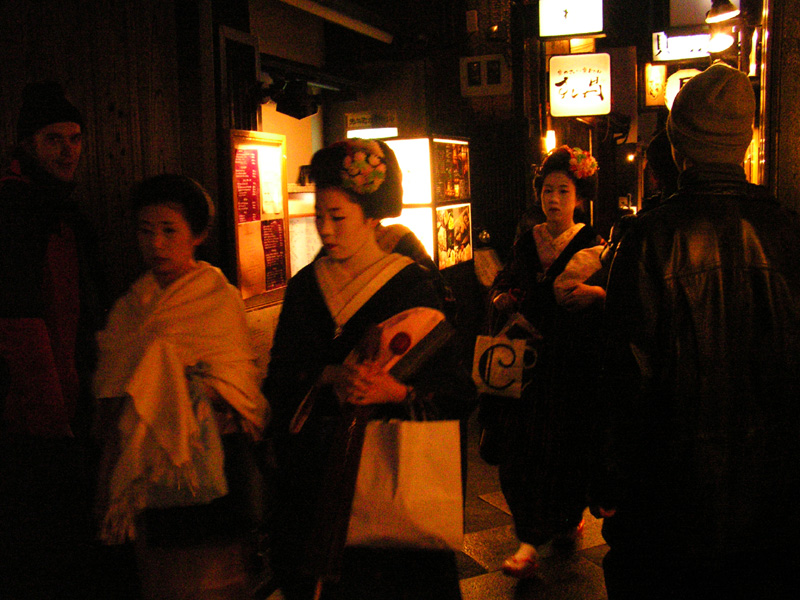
x: 48, y: 315
x: 703, y: 307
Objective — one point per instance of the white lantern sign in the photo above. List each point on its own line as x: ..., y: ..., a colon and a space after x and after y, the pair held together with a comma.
x: 568, y: 18
x: 580, y: 85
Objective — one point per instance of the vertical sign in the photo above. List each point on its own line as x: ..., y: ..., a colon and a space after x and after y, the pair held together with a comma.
x: 259, y: 204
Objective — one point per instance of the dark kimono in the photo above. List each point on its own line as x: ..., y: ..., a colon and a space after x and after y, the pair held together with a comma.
x: 547, y: 433
x: 305, y: 342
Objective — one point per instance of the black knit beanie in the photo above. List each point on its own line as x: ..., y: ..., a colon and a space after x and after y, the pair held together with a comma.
x: 43, y: 104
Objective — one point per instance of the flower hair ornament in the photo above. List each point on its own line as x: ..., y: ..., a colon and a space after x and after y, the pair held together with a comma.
x: 364, y: 166
x: 581, y: 163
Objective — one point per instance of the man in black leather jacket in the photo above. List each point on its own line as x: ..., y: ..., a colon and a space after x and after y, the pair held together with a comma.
x: 703, y: 310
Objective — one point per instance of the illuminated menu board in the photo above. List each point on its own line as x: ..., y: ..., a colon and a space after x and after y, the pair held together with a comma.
x: 259, y: 196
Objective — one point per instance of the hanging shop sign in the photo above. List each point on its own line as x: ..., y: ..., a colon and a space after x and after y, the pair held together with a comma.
x: 371, y: 124
x: 679, y: 47
x: 565, y: 18
x: 580, y: 85
x: 675, y: 82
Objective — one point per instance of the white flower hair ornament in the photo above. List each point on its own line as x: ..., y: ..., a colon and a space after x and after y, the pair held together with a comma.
x: 363, y: 167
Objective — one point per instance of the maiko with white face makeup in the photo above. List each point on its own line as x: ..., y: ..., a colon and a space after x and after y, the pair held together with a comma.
x: 544, y: 463
x: 327, y: 379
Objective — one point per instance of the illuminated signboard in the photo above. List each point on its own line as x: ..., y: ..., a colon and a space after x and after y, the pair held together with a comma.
x: 675, y: 82
x: 564, y: 18
x: 655, y: 79
x: 679, y: 47
x: 580, y: 85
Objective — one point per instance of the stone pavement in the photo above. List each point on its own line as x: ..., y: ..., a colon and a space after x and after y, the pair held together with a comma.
x: 489, y: 539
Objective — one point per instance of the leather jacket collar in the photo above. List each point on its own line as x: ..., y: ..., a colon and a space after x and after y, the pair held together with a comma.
x: 717, y: 180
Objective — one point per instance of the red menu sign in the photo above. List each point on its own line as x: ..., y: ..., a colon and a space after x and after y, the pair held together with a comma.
x: 247, y: 186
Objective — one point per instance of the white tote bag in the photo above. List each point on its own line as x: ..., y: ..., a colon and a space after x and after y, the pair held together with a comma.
x: 408, y: 492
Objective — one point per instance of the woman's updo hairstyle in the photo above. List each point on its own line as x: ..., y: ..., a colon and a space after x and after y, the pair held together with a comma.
x: 193, y: 200
x: 577, y: 164
x: 367, y: 170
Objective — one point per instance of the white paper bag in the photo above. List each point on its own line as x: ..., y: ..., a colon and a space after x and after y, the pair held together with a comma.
x: 408, y: 492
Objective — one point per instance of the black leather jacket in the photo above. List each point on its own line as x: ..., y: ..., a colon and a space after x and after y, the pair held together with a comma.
x: 703, y: 310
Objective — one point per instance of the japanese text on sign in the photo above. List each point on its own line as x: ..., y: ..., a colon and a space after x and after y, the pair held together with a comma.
x: 580, y: 85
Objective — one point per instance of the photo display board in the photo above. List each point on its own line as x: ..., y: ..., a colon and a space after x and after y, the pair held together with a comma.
x: 436, y: 196
x: 450, y: 171
x: 453, y: 234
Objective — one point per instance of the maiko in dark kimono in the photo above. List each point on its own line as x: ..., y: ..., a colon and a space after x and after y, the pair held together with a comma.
x: 328, y: 307
x: 546, y: 434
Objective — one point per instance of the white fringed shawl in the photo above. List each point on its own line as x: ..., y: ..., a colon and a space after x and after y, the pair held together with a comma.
x: 170, y: 451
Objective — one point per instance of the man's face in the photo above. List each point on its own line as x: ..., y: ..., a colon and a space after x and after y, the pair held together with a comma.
x: 57, y: 149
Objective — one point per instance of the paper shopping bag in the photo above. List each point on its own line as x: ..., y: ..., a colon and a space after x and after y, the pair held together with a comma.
x: 408, y: 491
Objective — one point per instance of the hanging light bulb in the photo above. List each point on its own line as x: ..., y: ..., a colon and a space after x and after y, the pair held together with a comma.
x: 721, y: 10
x: 721, y: 39
x: 550, y: 141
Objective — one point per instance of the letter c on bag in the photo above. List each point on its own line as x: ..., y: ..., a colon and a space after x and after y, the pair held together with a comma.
x: 497, y: 355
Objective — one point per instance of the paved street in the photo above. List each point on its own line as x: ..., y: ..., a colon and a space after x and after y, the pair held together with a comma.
x: 490, y: 539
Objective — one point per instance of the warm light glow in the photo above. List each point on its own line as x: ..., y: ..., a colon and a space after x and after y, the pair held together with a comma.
x: 720, y: 42
x: 414, y: 157
x: 656, y: 83
x: 631, y: 157
x: 570, y: 17
x: 418, y: 220
x: 372, y: 134
x: 723, y: 36
x: 676, y: 81
x: 679, y: 47
x: 752, y: 67
x: 721, y: 10
x: 446, y: 141
x: 580, y: 85
x: 577, y: 45
x: 550, y: 141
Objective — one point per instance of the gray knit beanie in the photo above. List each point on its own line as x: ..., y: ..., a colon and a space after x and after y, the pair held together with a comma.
x: 711, y: 120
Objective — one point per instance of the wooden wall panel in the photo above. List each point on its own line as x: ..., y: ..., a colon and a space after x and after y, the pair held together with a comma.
x: 117, y: 60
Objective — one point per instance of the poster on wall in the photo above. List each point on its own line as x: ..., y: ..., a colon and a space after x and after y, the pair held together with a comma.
x: 259, y: 197
x: 453, y: 234
x: 450, y: 170
x: 655, y: 85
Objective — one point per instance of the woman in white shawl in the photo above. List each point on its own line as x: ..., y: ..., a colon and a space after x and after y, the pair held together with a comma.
x: 176, y: 375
